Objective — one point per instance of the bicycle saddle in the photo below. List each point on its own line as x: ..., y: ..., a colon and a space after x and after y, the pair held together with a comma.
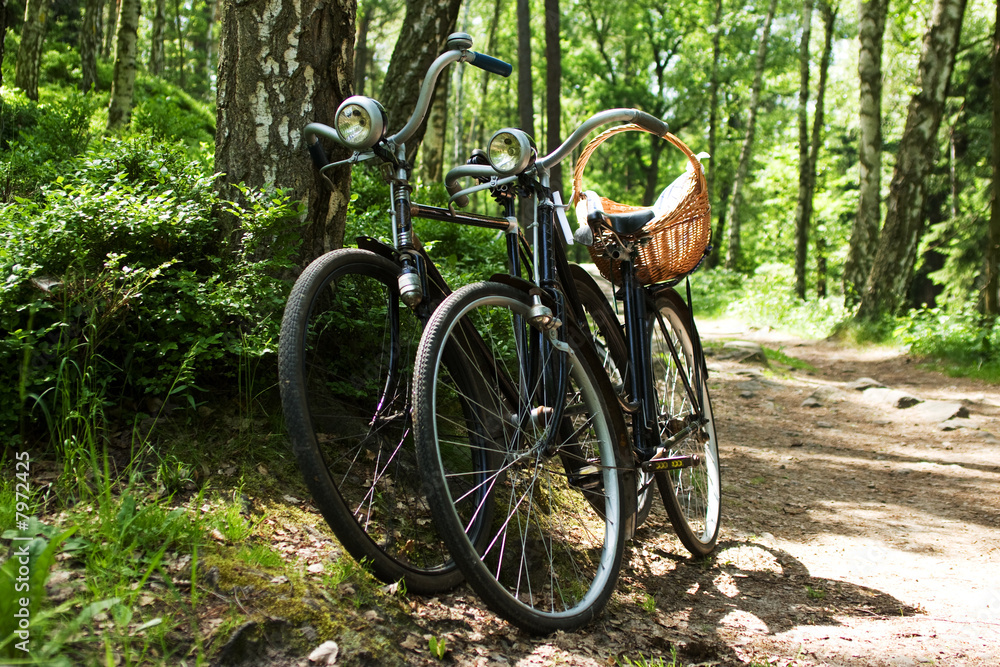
x: 629, y: 223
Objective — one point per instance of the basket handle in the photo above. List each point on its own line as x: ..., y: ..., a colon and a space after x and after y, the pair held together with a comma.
x: 581, y: 163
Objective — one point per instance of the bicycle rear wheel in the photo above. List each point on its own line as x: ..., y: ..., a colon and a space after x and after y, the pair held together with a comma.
x: 532, y: 511
x: 691, y: 494
x: 345, y: 367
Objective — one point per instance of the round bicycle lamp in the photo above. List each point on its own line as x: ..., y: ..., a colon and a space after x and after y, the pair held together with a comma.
x: 361, y: 122
x: 510, y: 151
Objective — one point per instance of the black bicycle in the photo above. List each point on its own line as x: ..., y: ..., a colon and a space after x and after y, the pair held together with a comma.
x: 347, y: 346
x: 540, y: 447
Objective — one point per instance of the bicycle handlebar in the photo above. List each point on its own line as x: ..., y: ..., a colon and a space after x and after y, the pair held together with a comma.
x: 461, y: 43
x: 640, y: 118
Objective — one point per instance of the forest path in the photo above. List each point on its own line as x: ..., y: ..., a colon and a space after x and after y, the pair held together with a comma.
x: 854, y: 532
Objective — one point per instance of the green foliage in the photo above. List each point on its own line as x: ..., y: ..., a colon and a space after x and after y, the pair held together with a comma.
x: 169, y: 113
x: 22, y: 579
x: 962, y: 341
x: 815, y: 593
x: 37, y: 139
x: 769, y: 300
x: 118, y: 285
x: 437, y: 647
x: 641, y: 661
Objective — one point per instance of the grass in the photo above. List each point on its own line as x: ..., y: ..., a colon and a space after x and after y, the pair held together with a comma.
x: 162, y: 549
x: 642, y: 661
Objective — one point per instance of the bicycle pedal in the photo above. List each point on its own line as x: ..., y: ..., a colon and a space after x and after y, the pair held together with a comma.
x: 671, y: 463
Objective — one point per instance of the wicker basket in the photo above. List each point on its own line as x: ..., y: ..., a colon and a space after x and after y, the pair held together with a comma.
x: 676, y: 240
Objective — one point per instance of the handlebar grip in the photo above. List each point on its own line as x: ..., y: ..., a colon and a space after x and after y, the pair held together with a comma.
x: 318, y: 155
x: 452, y: 188
x: 651, y: 123
x: 490, y: 64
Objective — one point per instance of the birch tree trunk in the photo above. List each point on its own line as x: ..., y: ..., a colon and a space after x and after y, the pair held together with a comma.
x: 428, y: 24
x: 213, y: 14
x: 864, y: 232
x: 123, y: 79
x: 553, y: 88
x: 829, y: 20
x: 991, y: 300
x: 803, y: 209
x: 156, y: 57
x: 736, y: 199
x: 281, y: 66
x: 29, y: 53
x: 3, y: 33
x: 892, y: 270
x: 110, y: 27
x: 525, y: 94
x: 181, y: 59
x: 90, y: 44
x: 713, y: 122
x: 432, y: 157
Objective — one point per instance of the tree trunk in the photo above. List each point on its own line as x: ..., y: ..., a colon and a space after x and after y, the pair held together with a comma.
x: 361, y: 49
x: 864, y: 233
x: 892, y: 269
x: 525, y: 93
x: 156, y: 58
x: 820, y: 267
x: 110, y: 27
x: 803, y: 209
x: 282, y: 66
x: 123, y: 79
x: 553, y: 87
x: 3, y: 33
x: 484, y: 86
x: 29, y: 53
x: 428, y: 24
x: 210, y: 68
x: 829, y: 19
x: 432, y: 157
x: 90, y: 44
x: 713, y: 122
x: 991, y: 300
x: 181, y: 59
x: 736, y: 199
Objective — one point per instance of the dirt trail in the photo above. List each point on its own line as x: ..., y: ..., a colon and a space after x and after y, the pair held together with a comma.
x: 854, y: 532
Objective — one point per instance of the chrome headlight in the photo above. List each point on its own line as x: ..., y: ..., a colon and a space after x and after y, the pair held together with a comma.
x: 361, y: 122
x: 510, y: 151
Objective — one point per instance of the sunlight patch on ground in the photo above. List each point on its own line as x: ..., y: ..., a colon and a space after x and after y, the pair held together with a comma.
x: 744, y: 621
x: 750, y: 559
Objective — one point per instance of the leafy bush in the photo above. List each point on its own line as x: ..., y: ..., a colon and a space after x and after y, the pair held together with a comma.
x: 168, y: 113
x: 769, y: 299
x: 39, y: 138
x: 963, y: 340
x: 117, y: 286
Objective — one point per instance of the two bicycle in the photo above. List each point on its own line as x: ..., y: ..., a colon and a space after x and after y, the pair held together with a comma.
x: 509, y: 433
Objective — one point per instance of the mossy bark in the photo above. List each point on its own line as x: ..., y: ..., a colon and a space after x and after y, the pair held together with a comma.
x: 281, y: 66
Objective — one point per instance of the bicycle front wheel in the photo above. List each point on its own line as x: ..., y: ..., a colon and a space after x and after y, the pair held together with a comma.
x: 345, y: 367
x: 691, y: 494
x: 531, y: 510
